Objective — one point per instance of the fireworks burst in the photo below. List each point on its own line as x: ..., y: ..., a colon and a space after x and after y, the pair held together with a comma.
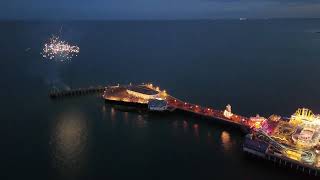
x: 59, y: 50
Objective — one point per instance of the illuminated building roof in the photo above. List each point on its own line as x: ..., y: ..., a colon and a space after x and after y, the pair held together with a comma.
x: 143, y: 90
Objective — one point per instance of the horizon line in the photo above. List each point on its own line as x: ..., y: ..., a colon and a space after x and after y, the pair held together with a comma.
x: 158, y: 19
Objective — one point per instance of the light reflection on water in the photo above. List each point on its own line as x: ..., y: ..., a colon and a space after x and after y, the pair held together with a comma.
x: 113, y: 114
x: 125, y: 116
x: 121, y: 115
x: 196, y: 130
x: 226, y: 140
x: 69, y: 140
x: 140, y: 122
x: 211, y: 136
x: 185, y: 126
x: 137, y: 120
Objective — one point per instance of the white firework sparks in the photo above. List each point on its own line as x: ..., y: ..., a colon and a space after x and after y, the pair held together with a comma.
x: 59, y: 50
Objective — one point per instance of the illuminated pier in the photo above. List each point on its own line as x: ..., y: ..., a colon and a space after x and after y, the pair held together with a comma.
x: 159, y: 100
x: 293, y: 142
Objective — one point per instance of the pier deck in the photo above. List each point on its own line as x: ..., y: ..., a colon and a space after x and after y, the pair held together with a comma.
x: 206, y: 111
x: 75, y: 92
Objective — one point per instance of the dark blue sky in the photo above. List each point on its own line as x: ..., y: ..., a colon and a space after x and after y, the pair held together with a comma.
x: 156, y: 9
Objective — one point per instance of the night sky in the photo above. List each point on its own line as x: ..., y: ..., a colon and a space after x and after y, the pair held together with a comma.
x: 157, y: 9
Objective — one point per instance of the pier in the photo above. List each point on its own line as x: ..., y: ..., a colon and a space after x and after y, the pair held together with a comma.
x: 76, y: 92
x: 145, y: 94
x: 294, y: 141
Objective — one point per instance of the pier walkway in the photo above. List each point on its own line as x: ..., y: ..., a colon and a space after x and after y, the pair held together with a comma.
x: 206, y: 112
x: 55, y: 93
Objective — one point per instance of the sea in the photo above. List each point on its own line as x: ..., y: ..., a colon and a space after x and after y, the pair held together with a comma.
x: 265, y: 67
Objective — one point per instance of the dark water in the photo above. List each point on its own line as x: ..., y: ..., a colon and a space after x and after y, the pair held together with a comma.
x: 263, y: 66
